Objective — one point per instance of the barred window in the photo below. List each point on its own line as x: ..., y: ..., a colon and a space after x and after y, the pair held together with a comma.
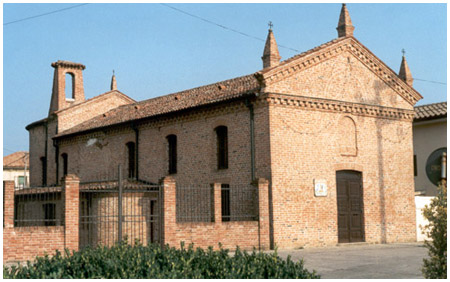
x: 222, y: 147
x: 172, y: 144
x: 225, y: 195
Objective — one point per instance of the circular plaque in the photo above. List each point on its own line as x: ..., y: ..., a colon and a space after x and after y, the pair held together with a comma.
x: 434, y: 165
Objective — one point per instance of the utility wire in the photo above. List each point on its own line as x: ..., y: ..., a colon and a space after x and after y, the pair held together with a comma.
x: 194, y: 16
x: 45, y: 14
x: 257, y: 38
x: 430, y: 81
x: 224, y: 27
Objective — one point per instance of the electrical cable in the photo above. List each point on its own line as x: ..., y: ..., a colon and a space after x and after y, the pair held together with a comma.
x: 225, y: 27
x: 45, y: 14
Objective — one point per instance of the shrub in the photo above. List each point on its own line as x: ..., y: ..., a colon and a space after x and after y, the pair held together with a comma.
x: 138, y: 261
x: 435, y: 267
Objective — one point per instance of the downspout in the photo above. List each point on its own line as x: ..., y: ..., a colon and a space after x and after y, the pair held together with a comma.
x: 136, y: 132
x: 252, y: 137
x: 55, y: 144
x: 46, y: 153
x: 252, y: 157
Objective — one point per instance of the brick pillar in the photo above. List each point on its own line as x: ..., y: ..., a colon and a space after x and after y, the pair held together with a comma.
x: 8, y: 205
x: 263, y: 196
x: 217, y: 203
x: 169, y: 211
x: 71, y: 196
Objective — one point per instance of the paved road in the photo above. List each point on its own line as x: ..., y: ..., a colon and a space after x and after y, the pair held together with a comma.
x: 363, y: 260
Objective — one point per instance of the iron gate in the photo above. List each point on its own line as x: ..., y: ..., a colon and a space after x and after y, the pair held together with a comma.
x: 111, y: 211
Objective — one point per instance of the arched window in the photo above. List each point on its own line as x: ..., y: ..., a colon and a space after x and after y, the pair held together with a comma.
x: 70, y: 86
x: 172, y: 144
x: 131, y: 159
x: 44, y: 171
x: 222, y: 147
x: 65, y: 163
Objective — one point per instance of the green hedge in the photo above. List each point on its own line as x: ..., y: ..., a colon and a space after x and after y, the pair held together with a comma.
x: 125, y: 261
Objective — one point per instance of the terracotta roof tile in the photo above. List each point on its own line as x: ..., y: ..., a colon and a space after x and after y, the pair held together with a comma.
x: 204, y: 95
x: 430, y: 111
x: 16, y: 160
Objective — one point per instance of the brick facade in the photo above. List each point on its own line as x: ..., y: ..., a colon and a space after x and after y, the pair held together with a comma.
x: 335, y: 107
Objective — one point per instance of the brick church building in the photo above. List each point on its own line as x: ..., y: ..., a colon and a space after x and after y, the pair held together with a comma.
x: 330, y: 129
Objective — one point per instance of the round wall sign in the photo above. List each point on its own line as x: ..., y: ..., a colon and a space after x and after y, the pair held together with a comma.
x: 434, y: 165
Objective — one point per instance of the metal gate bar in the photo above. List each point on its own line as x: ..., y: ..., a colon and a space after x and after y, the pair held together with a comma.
x: 111, y: 210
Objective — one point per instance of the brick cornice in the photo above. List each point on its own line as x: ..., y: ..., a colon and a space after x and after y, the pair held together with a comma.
x: 328, y: 105
x: 332, y: 49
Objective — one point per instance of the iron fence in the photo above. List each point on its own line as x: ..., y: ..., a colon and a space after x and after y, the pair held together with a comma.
x: 196, y: 203
x: 38, y: 206
x: 113, y: 210
x: 239, y: 203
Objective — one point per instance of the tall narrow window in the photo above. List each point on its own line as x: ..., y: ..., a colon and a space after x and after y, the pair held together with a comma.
x: 44, y: 171
x: 65, y: 163
x: 222, y: 147
x: 131, y: 159
x: 172, y: 142
x: 225, y: 195
x: 70, y: 86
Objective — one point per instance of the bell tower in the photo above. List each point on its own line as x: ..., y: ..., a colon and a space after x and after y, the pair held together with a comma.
x: 66, y: 73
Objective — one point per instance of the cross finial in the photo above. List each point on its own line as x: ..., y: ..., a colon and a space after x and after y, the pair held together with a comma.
x: 113, y: 72
x: 403, y: 51
x: 270, y: 25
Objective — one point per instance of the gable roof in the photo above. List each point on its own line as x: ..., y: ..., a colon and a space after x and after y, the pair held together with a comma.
x: 430, y: 111
x: 86, y: 102
x: 200, y: 96
x: 96, y: 98
x: 329, y: 49
x: 16, y: 160
x: 245, y: 85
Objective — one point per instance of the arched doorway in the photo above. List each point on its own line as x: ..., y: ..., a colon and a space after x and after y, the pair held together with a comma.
x: 350, y: 206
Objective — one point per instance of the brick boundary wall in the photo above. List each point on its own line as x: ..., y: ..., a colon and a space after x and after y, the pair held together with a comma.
x: 25, y: 243
x: 245, y: 234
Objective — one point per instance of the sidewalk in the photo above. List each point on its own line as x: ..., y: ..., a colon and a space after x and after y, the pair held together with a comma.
x: 363, y: 260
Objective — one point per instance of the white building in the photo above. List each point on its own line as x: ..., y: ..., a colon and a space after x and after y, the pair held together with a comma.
x: 430, y: 142
x: 16, y: 167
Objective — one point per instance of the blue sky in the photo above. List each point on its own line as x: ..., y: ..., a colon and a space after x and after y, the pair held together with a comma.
x: 156, y: 50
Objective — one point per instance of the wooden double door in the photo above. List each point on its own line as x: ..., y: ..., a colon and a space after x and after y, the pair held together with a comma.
x: 350, y: 206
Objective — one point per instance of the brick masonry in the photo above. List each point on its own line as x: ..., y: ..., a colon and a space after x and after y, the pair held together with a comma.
x: 246, y: 234
x: 333, y: 108
x: 25, y: 243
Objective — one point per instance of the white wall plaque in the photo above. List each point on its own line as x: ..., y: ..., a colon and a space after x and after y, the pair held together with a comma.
x: 320, y: 188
